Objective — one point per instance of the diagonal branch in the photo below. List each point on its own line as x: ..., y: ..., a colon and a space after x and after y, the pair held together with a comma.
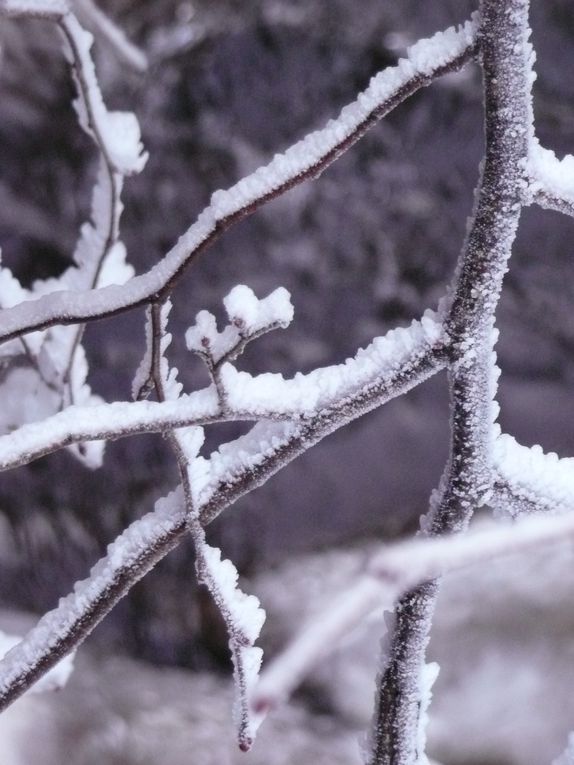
x: 445, y: 52
x: 231, y: 473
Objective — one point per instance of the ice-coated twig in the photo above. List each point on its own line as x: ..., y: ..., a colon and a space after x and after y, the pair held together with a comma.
x: 55, y: 679
x: 446, y: 52
x: 241, y: 613
x: 249, y: 318
x: 506, y: 57
x: 343, y: 391
x: 390, y: 573
x: 61, y: 630
x: 100, y: 255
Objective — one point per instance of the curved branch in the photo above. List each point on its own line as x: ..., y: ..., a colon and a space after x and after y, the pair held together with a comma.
x: 445, y: 52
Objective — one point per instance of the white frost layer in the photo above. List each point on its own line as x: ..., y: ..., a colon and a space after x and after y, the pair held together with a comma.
x: 238, y: 457
x: 117, y: 133
x: 550, y: 174
x: 105, y: 421
x: 246, y: 615
x: 543, y: 479
x: 53, y: 680
x: 429, y: 674
x: 143, y: 535
x: 249, y: 397
x: 244, y: 619
x: 268, y: 394
x: 426, y: 57
x: 248, y: 315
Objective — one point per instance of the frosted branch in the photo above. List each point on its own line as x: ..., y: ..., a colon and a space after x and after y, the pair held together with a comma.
x: 506, y: 57
x: 60, y: 631
x: 233, y: 471
x: 249, y: 318
x: 242, y: 616
x: 341, y: 390
x: 528, y: 480
x: 445, y: 52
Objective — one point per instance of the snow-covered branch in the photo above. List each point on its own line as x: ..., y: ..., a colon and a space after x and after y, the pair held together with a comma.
x: 57, y: 356
x: 528, y: 480
x: 291, y: 415
x: 445, y: 52
x: 61, y: 630
x: 340, y: 390
x: 231, y: 472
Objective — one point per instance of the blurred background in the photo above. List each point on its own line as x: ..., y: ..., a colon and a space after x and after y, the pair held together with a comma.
x: 365, y: 248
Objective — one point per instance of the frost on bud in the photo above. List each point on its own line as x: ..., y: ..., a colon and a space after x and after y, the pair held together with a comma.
x: 249, y: 317
x: 252, y: 315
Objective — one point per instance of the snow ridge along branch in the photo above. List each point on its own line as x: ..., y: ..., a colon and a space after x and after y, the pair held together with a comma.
x: 445, y: 52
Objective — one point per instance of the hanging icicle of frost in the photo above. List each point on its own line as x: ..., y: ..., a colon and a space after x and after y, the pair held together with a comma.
x: 244, y: 619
